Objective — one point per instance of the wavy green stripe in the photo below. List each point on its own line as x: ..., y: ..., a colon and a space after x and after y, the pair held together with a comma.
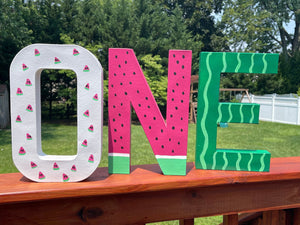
x: 237, y: 165
x: 252, y: 114
x: 265, y: 63
x: 214, y: 161
x: 241, y: 114
x: 262, y: 162
x: 249, y: 163
x: 230, y: 113
x: 239, y: 63
x: 226, y: 161
x: 220, y: 113
x: 252, y: 64
x: 224, y: 62
x: 205, y: 109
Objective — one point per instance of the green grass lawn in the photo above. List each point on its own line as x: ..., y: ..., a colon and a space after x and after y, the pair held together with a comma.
x: 281, y: 140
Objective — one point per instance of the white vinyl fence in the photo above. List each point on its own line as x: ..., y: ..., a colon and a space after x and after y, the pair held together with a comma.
x: 278, y: 108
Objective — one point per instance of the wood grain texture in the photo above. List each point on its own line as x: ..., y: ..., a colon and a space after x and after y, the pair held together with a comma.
x: 231, y: 219
x: 186, y: 222
x: 144, y: 178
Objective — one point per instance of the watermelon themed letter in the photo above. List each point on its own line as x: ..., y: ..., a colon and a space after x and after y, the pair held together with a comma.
x: 25, y: 72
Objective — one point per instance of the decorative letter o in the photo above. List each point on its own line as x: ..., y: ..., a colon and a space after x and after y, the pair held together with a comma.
x: 27, y: 152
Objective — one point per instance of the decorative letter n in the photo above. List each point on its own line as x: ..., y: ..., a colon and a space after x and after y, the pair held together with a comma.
x: 128, y: 86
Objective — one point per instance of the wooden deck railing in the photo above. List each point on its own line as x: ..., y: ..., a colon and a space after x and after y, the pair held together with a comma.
x: 148, y: 196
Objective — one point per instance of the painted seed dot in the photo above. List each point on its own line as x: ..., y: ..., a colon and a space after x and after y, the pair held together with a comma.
x: 127, y: 52
x: 115, y: 74
x: 177, y: 84
x: 162, y: 146
x: 130, y: 82
x: 119, y: 66
x: 138, y: 91
x: 114, y: 120
x: 148, y: 106
x: 115, y: 130
x: 171, y: 115
x: 119, y: 114
x: 173, y: 128
x: 125, y: 93
x: 145, y: 116
x: 181, y: 130
x: 124, y: 74
x: 121, y: 83
x: 134, y: 73
x: 116, y: 56
x: 122, y: 147
x: 121, y: 137
x: 146, y: 98
x: 112, y: 85
x: 176, y: 107
x: 178, y: 142
x: 121, y: 104
x: 161, y: 130
x: 114, y: 106
x: 182, y: 77
x: 181, y: 101
x: 139, y: 105
x: 156, y: 138
x: 122, y: 125
x: 172, y: 151
x: 125, y: 62
x: 177, y: 62
x: 183, y: 93
x: 115, y: 94
x: 173, y: 90
x: 149, y: 127
x: 181, y: 118
x: 172, y: 99
x: 170, y: 139
x: 154, y: 118
x: 115, y: 140
x: 174, y: 73
x: 174, y: 55
x: 182, y: 66
x: 183, y: 56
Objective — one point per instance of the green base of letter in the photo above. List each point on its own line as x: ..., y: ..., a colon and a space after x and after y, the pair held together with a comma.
x: 118, y: 164
x: 171, y: 166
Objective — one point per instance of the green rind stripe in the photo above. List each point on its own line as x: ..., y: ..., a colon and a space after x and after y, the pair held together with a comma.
x: 252, y: 114
x: 239, y: 63
x: 230, y: 113
x: 238, y: 161
x: 265, y: 64
x: 206, y: 107
x: 224, y: 62
x: 241, y: 114
x: 252, y: 64
x: 214, y: 161
x: 262, y: 163
x: 226, y: 161
x: 220, y: 113
x: 249, y: 163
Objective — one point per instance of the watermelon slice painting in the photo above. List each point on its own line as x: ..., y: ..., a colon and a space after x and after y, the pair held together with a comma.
x: 36, y: 52
x: 87, y: 87
x: 33, y: 165
x: 18, y: 120
x: 86, y: 69
x: 65, y: 177
x: 28, y: 82
x: 91, y: 128
x: 28, y: 136
x: 24, y: 67
x: 91, y: 158
x: 84, y: 143
x: 41, y: 176
x: 75, y: 52
x: 22, y: 151
x: 56, y: 60
x: 29, y: 108
x: 73, y: 168
x: 86, y: 113
x: 55, y: 166
x: 95, y: 98
x: 19, y: 92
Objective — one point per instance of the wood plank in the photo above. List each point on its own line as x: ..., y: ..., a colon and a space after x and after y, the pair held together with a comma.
x: 154, y: 206
x: 144, y: 178
x: 186, y: 222
x: 296, y: 216
x: 231, y: 219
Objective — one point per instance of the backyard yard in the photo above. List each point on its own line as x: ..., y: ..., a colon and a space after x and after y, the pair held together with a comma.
x: 281, y: 140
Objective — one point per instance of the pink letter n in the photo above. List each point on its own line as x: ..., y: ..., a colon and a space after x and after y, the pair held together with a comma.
x: 128, y: 87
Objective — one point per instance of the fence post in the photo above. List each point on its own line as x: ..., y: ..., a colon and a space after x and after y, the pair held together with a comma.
x: 273, y: 107
x: 298, y: 111
x: 252, y: 98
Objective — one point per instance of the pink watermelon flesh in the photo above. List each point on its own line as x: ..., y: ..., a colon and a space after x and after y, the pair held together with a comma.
x: 29, y: 108
x: 24, y: 67
x: 86, y: 113
x: 22, y: 151
x: 91, y: 128
x: 87, y: 86
x: 74, y: 168
x: 95, y: 97
x: 86, y: 68
x: 84, y: 143
x: 91, y: 158
x: 33, y: 165
x: 19, y: 91
x: 18, y: 120
x: 75, y: 52
x: 55, y: 166
x: 28, y: 82
x: 166, y: 137
x: 65, y: 178
x: 28, y: 136
x: 56, y: 60
x: 41, y: 175
x: 36, y: 52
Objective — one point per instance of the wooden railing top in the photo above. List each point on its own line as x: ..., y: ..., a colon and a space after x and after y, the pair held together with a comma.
x: 143, y: 178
